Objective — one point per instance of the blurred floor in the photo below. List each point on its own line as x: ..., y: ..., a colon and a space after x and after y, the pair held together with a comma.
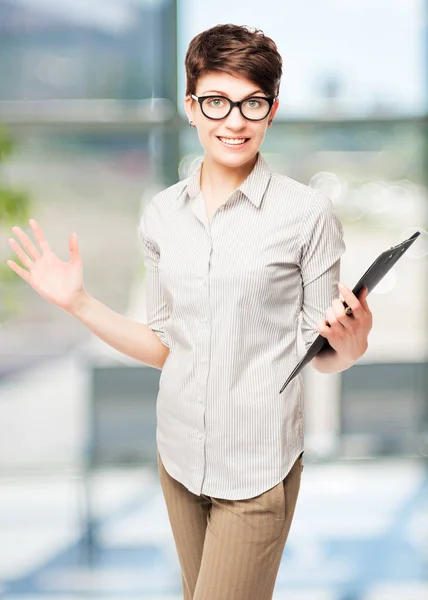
x: 360, y: 530
x: 360, y: 533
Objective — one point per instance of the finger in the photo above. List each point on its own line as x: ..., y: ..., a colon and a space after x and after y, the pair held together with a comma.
x: 331, y: 317
x: 74, y: 247
x: 367, y: 312
x: 323, y: 328
x: 351, y: 300
x: 39, y: 235
x: 339, y: 311
x: 362, y: 297
x: 26, y: 242
x: 21, y: 254
x: 21, y: 272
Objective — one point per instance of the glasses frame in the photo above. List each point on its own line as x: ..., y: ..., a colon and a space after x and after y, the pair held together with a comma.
x: 200, y: 99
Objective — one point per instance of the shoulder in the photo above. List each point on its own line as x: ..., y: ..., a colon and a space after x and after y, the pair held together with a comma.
x: 165, y: 197
x: 305, y: 198
x: 160, y: 207
x: 287, y: 183
x: 158, y: 204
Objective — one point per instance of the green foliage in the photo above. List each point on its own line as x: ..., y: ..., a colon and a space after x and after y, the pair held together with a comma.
x: 14, y: 210
x: 6, y: 145
x: 14, y: 207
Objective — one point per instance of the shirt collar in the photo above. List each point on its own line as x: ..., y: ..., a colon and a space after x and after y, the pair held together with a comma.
x: 253, y: 187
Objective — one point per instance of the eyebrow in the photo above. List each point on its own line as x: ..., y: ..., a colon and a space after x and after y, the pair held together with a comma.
x: 220, y: 93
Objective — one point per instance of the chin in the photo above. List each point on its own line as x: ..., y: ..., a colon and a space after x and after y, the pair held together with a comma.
x: 234, y: 159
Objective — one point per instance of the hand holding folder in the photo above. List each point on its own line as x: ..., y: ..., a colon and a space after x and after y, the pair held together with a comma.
x: 377, y: 270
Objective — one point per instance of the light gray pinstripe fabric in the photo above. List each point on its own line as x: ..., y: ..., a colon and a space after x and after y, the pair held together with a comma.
x: 225, y: 298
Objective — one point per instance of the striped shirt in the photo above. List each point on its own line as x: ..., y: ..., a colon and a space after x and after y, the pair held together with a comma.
x: 225, y: 297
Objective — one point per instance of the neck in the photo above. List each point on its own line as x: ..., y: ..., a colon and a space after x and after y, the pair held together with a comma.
x: 221, y: 178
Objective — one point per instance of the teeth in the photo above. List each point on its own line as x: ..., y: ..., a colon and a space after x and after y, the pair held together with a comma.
x: 233, y: 142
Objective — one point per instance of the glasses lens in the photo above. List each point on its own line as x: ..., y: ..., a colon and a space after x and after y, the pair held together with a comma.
x: 255, y: 108
x: 216, y: 108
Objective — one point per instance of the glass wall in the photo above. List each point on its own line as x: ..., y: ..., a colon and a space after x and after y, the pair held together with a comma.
x: 92, y: 126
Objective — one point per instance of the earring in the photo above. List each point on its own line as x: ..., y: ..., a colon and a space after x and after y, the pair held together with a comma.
x: 270, y: 122
x: 191, y: 123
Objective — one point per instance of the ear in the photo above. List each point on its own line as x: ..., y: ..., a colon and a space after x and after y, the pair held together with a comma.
x: 274, y: 109
x: 188, y: 107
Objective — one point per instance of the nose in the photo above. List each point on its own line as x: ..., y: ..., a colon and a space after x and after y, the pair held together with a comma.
x: 235, y: 120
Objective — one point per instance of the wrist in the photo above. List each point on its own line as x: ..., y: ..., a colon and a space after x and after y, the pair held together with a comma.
x: 78, y: 304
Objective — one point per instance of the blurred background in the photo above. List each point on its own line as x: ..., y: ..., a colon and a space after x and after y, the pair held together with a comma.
x: 91, y: 127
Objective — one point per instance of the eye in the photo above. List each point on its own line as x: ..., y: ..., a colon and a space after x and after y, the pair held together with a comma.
x: 215, y: 102
x: 253, y: 103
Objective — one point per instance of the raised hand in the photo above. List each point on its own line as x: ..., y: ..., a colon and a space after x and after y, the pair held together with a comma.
x: 56, y: 281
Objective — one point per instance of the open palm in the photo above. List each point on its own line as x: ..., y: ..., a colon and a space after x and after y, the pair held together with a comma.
x: 56, y: 281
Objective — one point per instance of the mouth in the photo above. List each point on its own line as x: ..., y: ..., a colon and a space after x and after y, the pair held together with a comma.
x: 233, y: 142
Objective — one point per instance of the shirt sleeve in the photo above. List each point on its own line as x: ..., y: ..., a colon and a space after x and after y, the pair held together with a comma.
x: 157, y: 309
x: 322, y: 246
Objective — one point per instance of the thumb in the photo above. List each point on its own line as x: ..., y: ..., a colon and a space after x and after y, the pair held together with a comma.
x: 362, y: 297
x: 74, y: 247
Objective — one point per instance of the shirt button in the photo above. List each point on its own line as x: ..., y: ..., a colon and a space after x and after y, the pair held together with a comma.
x: 204, y: 359
x: 204, y: 320
x: 199, y: 435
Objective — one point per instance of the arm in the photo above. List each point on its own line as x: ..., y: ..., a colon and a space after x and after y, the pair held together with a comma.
x: 147, y: 343
x: 130, y: 337
x: 61, y: 283
x: 322, y: 247
x: 158, y: 311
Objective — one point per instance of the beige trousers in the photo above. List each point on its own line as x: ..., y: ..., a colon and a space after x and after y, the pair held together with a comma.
x: 230, y: 549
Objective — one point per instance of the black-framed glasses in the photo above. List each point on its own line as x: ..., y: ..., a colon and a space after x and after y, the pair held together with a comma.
x: 254, y: 108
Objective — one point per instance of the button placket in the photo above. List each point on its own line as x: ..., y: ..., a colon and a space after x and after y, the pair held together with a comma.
x: 204, y: 336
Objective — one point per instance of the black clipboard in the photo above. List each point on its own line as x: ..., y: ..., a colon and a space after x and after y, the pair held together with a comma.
x: 377, y: 270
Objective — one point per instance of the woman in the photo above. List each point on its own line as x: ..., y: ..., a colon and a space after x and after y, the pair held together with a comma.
x: 233, y: 254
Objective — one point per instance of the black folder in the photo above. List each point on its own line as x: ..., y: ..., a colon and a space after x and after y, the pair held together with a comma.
x: 377, y: 270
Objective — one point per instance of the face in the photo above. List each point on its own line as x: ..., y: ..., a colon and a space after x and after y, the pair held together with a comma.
x: 213, y: 135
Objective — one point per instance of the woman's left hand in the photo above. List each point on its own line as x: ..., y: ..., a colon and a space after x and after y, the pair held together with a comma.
x: 348, y: 335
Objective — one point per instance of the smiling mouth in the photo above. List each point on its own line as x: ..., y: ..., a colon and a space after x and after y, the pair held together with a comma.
x: 233, y: 141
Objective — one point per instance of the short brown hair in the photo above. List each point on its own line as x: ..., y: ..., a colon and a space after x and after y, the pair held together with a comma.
x: 234, y: 49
